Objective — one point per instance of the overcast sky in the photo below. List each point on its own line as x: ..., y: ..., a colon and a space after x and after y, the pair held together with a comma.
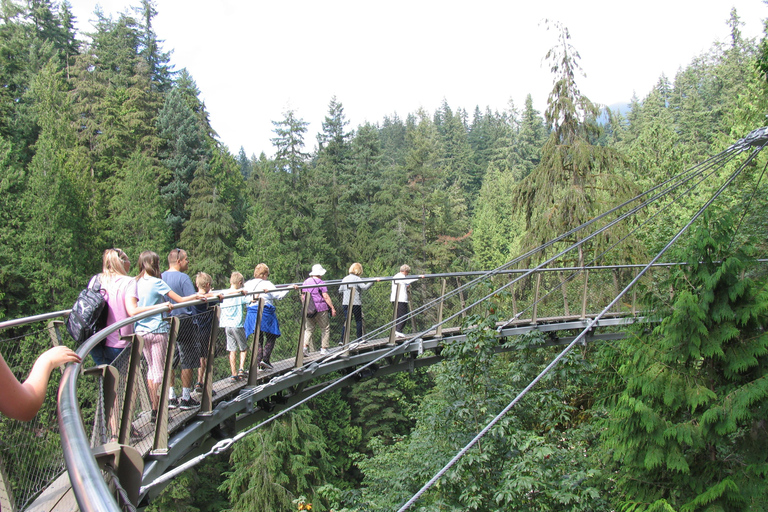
x: 254, y: 59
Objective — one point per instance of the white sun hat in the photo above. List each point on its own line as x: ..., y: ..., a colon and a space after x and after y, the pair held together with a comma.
x: 317, y: 270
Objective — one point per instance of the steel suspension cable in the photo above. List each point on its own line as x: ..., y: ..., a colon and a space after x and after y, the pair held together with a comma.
x: 225, y: 444
x: 570, y: 346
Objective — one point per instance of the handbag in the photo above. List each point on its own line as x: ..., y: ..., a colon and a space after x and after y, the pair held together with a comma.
x: 89, y: 313
x: 311, y: 308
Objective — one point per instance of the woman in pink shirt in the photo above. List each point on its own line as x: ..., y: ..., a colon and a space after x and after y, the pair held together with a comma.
x: 122, y: 300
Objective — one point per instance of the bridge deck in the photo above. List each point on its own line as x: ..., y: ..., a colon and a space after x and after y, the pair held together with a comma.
x: 224, y: 389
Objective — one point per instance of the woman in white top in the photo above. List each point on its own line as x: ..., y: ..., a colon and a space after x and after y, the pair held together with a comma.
x: 402, y: 299
x: 269, y: 324
x: 353, y: 281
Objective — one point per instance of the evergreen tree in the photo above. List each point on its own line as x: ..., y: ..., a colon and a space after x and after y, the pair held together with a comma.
x: 54, y: 252
x: 138, y: 211
x: 571, y: 183
x: 687, y: 429
x: 276, y: 464
x: 331, y: 177
x: 529, y: 141
x: 186, y: 150
x: 210, y: 232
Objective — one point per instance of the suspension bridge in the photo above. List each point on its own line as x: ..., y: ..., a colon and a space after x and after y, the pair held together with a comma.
x: 106, y: 452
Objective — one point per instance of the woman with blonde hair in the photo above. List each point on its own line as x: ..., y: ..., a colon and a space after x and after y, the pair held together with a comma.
x: 269, y: 324
x: 353, y: 281
x: 122, y: 301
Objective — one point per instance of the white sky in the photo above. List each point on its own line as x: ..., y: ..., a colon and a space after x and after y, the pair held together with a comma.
x: 254, y: 59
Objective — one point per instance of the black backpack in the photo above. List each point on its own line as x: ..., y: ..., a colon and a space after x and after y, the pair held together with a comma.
x: 89, y: 313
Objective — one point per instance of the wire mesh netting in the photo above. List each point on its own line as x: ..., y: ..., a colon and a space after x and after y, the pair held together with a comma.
x: 30, y: 452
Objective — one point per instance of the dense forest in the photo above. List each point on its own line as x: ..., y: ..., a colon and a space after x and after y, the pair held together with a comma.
x: 104, y: 144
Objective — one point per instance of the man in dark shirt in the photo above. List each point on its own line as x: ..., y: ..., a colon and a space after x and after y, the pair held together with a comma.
x: 186, y: 339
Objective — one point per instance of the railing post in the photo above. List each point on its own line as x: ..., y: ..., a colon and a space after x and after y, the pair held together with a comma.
x: 439, y: 331
x: 132, y: 379
x: 252, y: 375
x: 160, y: 444
x: 461, y: 299
x: 536, y: 298
x: 109, y: 376
x: 54, y: 331
x: 300, y: 347
x: 394, y: 315
x: 563, y: 284
x: 514, y: 300
x: 634, y: 300
x: 127, y: 465
x: 207, y: 399
x: 348, y: 319
x: 584, y: 296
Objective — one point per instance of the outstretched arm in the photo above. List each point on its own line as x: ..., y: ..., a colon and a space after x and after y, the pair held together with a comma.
x: 22, y: 401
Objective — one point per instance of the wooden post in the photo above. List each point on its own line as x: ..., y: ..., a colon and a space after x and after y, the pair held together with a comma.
x: 514, y: 300
x: 348, y: 320
x: 300, y: 346
x: 536, y: 298
x: 584, y: 297
x: 563, y: 289
x: 206, y: 405
x: 254, y: 368
x: 394, y: 316
x: 439, y: 331
x: 160, y: 443
x: 132, y: 379
x: 7, y: 501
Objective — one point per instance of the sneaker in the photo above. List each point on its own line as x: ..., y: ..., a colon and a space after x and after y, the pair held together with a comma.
x: 306, y: 352
x: 323, y: 351
x: 398, y: 334
x: 265, y: 365
x: 185, y: 405
x: 173, y: 403
x: 199, y: 387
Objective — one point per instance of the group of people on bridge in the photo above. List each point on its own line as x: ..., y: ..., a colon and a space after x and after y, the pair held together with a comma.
x: 128, y: 296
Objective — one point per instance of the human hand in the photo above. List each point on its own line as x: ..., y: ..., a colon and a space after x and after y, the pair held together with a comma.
x: 59, y: 355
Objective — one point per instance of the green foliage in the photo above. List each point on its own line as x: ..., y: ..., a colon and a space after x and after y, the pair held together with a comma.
x: 195, y: 490
x: 526, y: 462
x: 687, y: 426
x: 274, y: 465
